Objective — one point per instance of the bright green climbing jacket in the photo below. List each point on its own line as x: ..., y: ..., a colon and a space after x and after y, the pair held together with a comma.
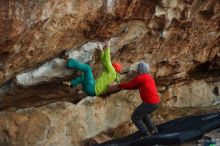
x: 90, y: 86
x: 107, y: 76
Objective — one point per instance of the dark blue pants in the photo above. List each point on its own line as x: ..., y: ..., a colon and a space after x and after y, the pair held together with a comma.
x: 141, y: 118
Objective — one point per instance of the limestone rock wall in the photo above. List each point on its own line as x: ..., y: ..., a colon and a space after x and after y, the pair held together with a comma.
x: 192, y: 94
x: 180, y: 39
x: 64, y: 123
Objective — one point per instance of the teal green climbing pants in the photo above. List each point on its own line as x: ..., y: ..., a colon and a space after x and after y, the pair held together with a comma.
x: 87, y: 79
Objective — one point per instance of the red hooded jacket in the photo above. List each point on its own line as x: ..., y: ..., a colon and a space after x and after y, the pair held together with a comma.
x: 147, y: 88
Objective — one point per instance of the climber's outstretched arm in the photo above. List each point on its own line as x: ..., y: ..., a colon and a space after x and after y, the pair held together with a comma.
x: 106, y: 58
x: 111, y: 90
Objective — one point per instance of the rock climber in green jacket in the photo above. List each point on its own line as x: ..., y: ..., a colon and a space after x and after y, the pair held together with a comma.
x: 100, y: 85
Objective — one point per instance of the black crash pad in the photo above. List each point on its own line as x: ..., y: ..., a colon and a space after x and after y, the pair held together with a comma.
x: 172, y: 132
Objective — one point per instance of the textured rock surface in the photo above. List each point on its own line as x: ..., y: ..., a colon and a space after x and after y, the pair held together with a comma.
x: 64, y: 123
x: 56, y: 67
x: 194, y: 93
x: 180, y: 39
